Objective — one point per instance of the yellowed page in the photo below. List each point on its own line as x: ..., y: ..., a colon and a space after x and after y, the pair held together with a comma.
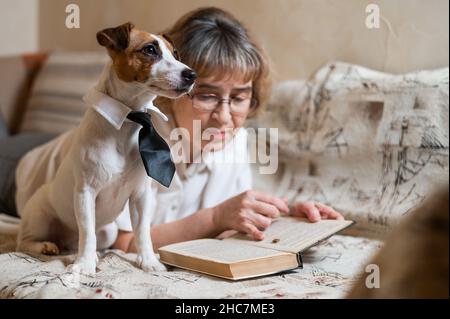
x: 220, y: 250
x: 293, y: 234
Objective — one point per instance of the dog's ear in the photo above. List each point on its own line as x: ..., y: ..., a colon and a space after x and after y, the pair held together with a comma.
x: 117, y: 38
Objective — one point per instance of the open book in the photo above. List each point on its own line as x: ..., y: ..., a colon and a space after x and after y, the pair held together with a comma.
x: 240, y: 257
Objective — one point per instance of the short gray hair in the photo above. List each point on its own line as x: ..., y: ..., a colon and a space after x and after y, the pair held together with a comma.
x: 214, y: 43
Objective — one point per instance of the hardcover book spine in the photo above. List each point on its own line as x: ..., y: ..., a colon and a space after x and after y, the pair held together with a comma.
x: 300, y: 260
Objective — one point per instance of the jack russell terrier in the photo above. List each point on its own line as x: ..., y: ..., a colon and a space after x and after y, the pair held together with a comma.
x: 103, y: 170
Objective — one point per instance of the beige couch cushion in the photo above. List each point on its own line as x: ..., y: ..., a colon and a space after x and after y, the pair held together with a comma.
x: 56, y: 103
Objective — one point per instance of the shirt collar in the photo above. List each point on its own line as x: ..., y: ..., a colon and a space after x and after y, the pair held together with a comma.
x: 114, y: 111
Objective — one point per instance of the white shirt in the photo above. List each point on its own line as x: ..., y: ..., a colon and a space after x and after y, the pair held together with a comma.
x: 197, y: 186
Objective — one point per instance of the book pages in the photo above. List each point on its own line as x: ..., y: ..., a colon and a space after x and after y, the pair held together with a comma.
x: 292, y: 234
x: 221, y: 250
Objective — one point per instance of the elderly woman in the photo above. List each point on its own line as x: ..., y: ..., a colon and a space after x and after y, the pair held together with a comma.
x: 206, y: 198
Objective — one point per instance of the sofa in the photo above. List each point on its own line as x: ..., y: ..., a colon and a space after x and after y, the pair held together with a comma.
x: 371, y: 144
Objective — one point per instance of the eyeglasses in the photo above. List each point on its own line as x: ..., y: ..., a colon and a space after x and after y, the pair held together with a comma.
x: 210, y: 102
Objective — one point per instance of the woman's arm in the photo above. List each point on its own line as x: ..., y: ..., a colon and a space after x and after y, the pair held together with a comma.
x: 195, y: 226
x: 249, y: 212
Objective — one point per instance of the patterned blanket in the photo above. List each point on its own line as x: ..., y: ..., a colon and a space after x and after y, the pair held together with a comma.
x: 330, y: 270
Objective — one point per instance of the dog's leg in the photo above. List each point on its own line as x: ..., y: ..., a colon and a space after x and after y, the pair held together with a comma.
x: 140, y: 218
x: 34, y: 231
x: 84, y: 206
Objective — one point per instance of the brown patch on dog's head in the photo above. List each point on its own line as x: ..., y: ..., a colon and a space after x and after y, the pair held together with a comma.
x: 116, y: 39
x: 136, y: 62
x: 133, y: 51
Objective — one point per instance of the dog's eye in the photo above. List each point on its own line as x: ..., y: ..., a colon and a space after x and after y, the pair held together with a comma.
x: 149, y: 50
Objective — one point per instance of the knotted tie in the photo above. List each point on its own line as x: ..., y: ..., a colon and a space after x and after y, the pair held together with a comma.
x: 155, y: 152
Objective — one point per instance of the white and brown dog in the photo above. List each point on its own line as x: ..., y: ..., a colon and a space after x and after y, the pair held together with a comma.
x: 102, y: 170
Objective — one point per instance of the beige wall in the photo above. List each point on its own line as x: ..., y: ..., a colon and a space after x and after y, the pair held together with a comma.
x: 300, y: 35
x: 18, y: 26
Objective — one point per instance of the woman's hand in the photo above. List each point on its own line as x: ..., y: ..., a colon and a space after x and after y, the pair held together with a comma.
x: 314, y: 211
x: 250, y: 212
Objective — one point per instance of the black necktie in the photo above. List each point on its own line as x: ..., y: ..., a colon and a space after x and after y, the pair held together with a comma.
x: 155, y: 152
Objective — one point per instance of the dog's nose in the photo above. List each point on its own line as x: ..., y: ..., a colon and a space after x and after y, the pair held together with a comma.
x: 189, y: 76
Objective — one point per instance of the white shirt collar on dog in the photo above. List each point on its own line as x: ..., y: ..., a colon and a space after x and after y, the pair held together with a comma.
x: 114, y: 111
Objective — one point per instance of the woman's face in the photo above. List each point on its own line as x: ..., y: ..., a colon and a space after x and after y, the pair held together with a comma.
x: 218, y: 126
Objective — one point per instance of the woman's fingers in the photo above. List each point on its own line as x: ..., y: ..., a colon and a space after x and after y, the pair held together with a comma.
x: 251, y: 230
x: 265, y: 209
x: 260, y: 221
x: 325, y: 211
x: 280, y: 204
x: 315, y: 211
x: 259, y: 209
x: 328, y: 213
x: 308, y: 210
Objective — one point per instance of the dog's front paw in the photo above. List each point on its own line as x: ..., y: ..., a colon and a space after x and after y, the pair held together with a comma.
x: 83, y: 266
x: 150, y: 263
